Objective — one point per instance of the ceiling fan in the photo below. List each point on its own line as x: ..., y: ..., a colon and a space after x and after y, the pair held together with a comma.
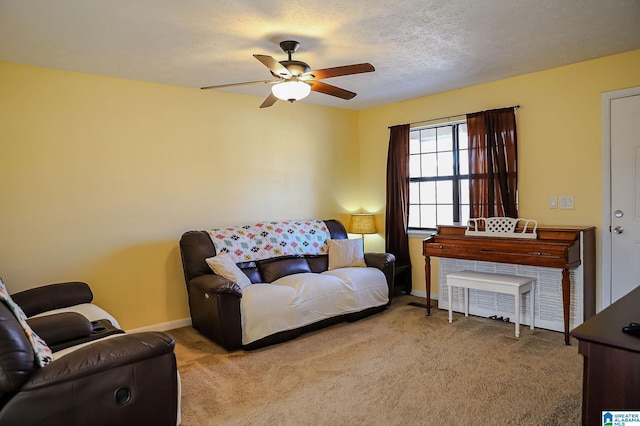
x: 294, y: 80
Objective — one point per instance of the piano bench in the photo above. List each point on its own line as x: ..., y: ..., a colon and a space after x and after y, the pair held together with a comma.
x: 499, y: 283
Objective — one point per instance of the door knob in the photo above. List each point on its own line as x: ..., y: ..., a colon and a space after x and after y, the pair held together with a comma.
x: 618, y: 229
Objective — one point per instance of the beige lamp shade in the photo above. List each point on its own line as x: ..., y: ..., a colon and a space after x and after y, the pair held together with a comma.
x: 362, y: 224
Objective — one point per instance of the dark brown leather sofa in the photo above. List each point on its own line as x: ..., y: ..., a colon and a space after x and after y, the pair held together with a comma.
x: 214, y: 301
x: 121, y: 380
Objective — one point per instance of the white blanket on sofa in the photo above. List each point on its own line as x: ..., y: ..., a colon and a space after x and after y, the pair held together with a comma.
x: 297, y: 300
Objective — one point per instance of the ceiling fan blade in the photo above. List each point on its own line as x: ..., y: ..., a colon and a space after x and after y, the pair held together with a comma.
x: 271, y: 99
x: 246, y: 83
x: 275, y: 66
x: 327, y: 89
x: 343, y: 70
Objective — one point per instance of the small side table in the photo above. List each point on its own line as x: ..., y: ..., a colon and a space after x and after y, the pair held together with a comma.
x: 402, y: 276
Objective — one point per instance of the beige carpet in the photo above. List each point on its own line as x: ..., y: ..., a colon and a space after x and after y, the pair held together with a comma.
x: 398, y: 367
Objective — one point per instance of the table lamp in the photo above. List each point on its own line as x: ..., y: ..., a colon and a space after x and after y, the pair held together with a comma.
x: 364, y: 223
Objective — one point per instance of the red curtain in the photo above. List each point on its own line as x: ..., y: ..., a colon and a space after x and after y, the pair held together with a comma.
x: 397, y: 209
x: 493, y: 160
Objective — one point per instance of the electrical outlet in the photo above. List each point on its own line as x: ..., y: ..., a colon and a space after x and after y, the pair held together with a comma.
x: 566, y: 202
x: 553, y: 202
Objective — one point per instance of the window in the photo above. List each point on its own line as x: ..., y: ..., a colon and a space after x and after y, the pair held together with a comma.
x: 439, y: 175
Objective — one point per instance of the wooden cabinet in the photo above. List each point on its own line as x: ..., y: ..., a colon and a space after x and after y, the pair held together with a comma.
x: 611, y: 377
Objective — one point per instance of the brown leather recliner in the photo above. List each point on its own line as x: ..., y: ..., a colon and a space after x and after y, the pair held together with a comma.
x: 214, y: 301
x: 124, y: 379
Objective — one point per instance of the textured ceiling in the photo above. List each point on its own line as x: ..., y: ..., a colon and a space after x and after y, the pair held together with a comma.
x: 418, y: 47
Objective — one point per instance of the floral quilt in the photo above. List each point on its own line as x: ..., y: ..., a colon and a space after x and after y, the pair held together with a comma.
x: 271, y: 239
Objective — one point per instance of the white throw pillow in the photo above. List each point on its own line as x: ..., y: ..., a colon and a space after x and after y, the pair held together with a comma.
x: 345, y: 253
x: 222, y: 264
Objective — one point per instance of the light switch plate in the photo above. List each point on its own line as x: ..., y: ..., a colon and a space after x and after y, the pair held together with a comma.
x: 566, y: 202
x: 553, y: 202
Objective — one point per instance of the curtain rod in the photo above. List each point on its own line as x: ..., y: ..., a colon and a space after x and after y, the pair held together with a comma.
x: 448, y: 117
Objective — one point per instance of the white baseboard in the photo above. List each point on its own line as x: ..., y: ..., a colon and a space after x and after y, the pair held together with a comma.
x: 165, y: 326
x: 423, y: 294
x: 186, y: 322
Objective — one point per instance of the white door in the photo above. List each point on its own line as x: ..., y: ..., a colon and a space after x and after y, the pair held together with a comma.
x: 625, y: 195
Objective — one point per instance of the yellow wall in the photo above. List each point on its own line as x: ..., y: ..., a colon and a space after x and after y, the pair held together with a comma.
x: 559, y: 138
x: 100, y: 176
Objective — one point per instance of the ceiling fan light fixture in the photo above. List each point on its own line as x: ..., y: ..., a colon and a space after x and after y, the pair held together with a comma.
x: 291, y: 90
x: 294, y: 80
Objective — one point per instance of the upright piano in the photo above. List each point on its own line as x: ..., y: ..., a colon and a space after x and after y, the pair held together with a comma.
x: 554, y: 247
